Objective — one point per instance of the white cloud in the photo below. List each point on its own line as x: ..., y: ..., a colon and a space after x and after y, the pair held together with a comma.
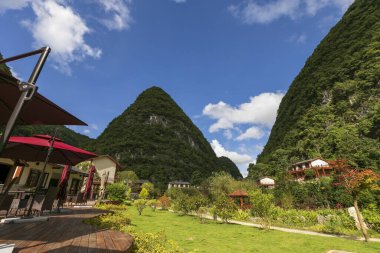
x: 121, y: 15
x: 260, y: 111
x: 86, y: 131
x: 252, y: 12
x: 13, y: 5
x: 94, y: 126
x: 58, y: 26
x: 179, y: 1
x: 298, y: 39
x: 228, y: 134
x: 239, y: 159
x: 251, y: 133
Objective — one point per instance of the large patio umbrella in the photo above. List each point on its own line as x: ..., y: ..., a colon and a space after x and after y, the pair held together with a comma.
x: 63, y: 183
x: 20, y: 103
x: 90, y: 178
x: 37, y: 111
x: 44, y: 148
x: 35, y: 148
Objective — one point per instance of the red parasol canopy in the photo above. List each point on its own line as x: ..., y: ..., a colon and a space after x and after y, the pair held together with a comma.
x: 37, y: 111
x: 63, y: 182
x: 90, y: 178
x: 35, y: 149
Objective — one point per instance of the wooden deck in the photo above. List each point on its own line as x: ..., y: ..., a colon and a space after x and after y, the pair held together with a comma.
x: 65, y: 233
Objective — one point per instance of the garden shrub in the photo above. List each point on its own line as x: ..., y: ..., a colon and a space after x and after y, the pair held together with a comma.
x: 241, y: 215
x: 201, y: 213
x: 153, y: 203
x: 116, y: 220
x: 262, y: 206
x: 372, y: 217
x: 164, y: 202
x: 225, y: 208
x: 109, y: 206
x: 152, y: 242
x: 116, y: 191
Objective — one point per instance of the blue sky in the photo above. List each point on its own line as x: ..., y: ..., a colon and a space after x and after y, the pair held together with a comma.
x: 226, y: 63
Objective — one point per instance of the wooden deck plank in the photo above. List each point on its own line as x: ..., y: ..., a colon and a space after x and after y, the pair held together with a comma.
x: 64, y: 233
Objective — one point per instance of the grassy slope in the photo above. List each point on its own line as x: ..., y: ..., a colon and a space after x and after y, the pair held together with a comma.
x: 212, y: 237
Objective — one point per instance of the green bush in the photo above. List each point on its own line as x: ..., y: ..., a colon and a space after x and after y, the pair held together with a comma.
x: 224, y: 208
x: 106, y: 206
x: 241, y: 215
x: 372, y: 217
x: 116, y: 191
x: 116, y: 220
x: 152, y: 242
x: 153, y: 203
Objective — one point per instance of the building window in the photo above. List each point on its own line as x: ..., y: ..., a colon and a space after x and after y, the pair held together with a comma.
x: 33, y: 178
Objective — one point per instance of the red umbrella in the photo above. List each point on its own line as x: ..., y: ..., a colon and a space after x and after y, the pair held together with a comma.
x: 35, y: 149
x: 90, y: 178
x: 63, y: 182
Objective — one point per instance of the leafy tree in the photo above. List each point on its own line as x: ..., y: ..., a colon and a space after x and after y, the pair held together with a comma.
x: 357, y: 181
x: 144, y: 194
x: 224, y: 208
x: 262, y: 206
x: 140, y: 205
x: 149, y: 187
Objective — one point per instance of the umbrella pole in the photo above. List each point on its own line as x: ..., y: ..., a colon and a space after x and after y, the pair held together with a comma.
x: 27, y: 91
x: 40, y: 178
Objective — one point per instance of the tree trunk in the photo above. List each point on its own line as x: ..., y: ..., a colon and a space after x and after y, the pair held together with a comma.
x: 361, y: 222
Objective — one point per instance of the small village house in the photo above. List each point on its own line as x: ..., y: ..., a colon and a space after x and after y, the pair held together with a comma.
x: 178, y: 184
x: 317, y: 166
x: 267, y: 183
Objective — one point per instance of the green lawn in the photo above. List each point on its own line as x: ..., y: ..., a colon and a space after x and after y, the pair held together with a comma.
x: 212, y: 237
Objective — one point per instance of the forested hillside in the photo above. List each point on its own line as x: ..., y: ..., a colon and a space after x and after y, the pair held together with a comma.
x: 158, y: 141
x: 332, y: 108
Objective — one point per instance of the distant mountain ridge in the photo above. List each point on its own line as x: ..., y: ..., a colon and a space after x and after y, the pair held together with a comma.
x: 332, y: 108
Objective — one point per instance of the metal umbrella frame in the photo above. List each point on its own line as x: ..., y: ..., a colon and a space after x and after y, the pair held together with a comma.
x: 28, y: 90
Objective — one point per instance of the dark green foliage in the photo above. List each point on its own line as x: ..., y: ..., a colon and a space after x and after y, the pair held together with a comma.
x: 67, y: 135
x: 116, y: 191
x: 3, y: 67
x: 156, y: 139
x: 225, y: 164
x: 332, y: 108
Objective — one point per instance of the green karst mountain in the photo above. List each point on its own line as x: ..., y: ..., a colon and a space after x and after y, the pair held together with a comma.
x: 332, y: 108
x: 158, y: 141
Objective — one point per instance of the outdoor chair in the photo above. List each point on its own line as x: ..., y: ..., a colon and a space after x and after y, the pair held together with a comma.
x: 20, y: 204
x: 45, y: 202
x: 5, y: 203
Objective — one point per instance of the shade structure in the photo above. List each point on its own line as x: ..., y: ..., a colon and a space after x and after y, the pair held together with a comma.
x: 37, y: 111
x: 90, y: 178
x: 35, y: 149
x: 63, y: 182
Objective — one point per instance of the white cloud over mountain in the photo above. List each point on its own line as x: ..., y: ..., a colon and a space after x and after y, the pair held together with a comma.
x: 260, y: 112
x: 238, y: 159
x: 253, y: 12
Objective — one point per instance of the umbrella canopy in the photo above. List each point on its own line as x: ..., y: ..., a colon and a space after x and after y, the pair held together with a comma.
x: 90, y: 178
x: 63, y: 182
x: 35, y: 149
x: 38, y: 111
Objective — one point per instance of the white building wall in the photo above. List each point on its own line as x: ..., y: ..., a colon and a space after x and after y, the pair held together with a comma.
x: 319, y: 163
x: 104, y: 165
